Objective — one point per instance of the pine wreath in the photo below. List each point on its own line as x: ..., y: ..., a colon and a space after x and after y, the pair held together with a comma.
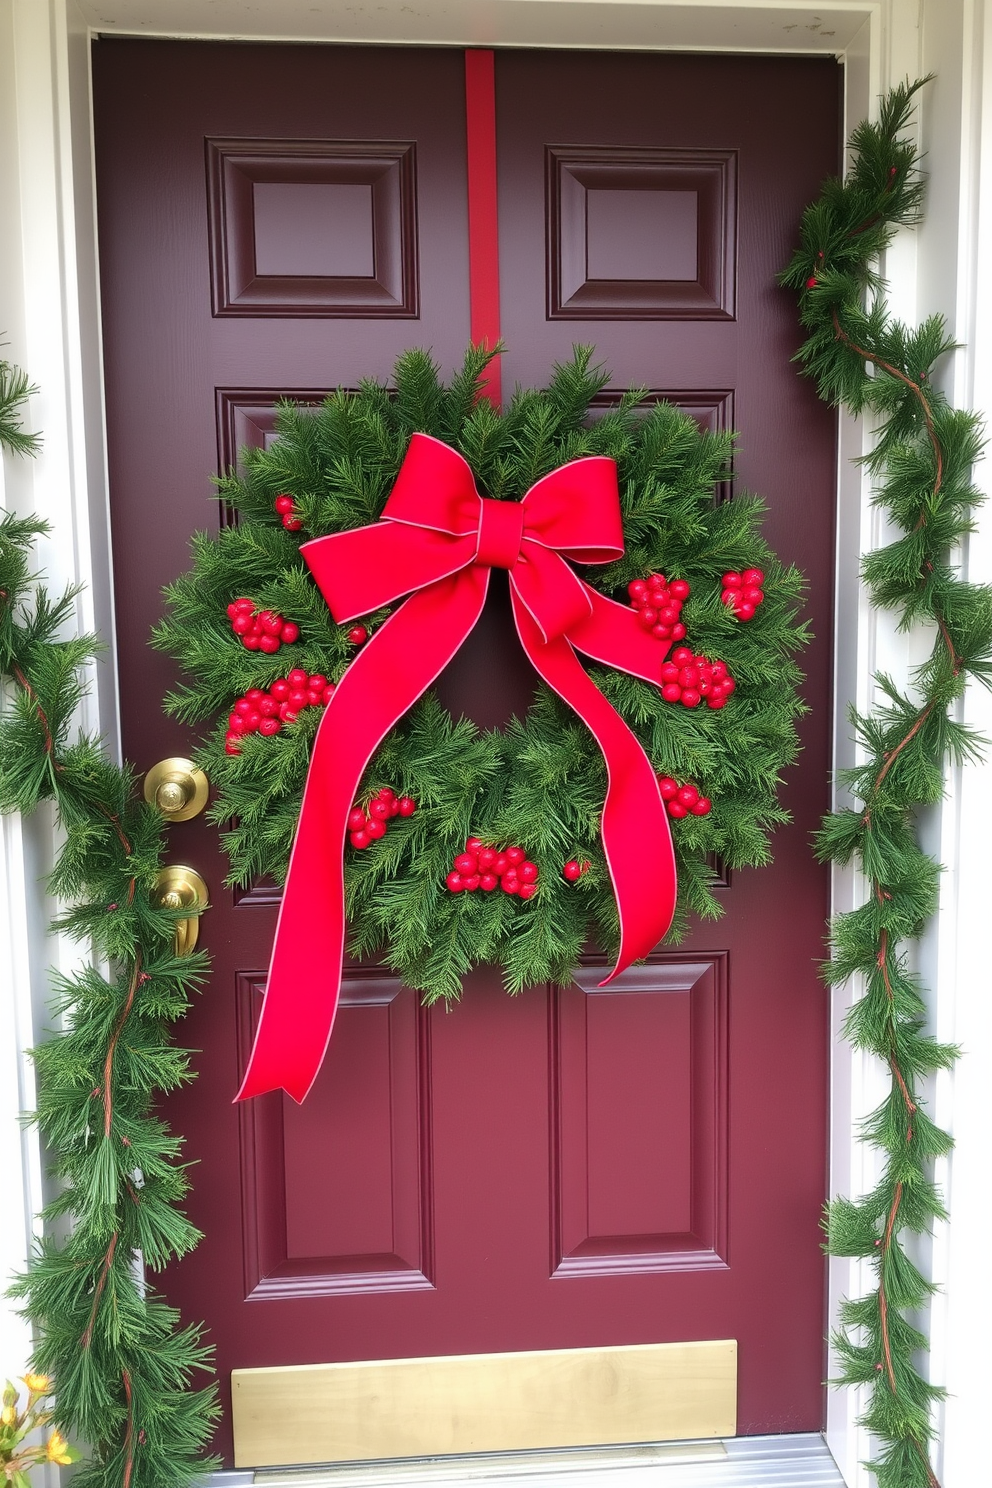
x: 538, y: 785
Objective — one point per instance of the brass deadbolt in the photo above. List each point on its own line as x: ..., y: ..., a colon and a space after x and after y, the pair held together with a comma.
x: 177, y: 787
x: 179, y: 887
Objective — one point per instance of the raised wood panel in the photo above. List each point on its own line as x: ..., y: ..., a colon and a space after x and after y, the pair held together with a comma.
x: 484, y: 1403
x: 336, y: 1192
x: 313, y: 228
x: 639, y: 1123
x: 641, y: 233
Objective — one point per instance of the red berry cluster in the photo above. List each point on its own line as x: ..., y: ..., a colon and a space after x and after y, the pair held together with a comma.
x: 659, y: 602
x: 369, y: 824
x: 573, y: 869
x: 265, y: 631
x: 682, y: 800
x: 265, y: 713
x: 284, y: 506
x: 481, y: 866
x: 744, y: 592
x: 688, y: 679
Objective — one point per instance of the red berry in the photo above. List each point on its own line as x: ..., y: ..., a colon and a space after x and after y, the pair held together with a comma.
x: 245, y: 605
x: 662, y: 632
x: 268, y: 707
x: 269, y: 644
x: 718, y: 670
x: 360, y: 839
x: 287, y: 714
x: 488, y: 881
x: 688, y: 676
x: 811, y: 282
x: 702, y: 806
x: 315, y: 696
x: 254, y: 694
x: 515, y: 855
x: 501, y: 864
x: 387, y: 793
x: 376, y: 829
x: 407, y: 806
x: 380, y: 810
x: 466, y: 863
x: 676, y: 809
x: 279, y: 690
x: 510, y: 883
x: 671, y: 692
x: 648, y: 617
x: 472, y: 844
x: 668, y: 614
x: 328, y: 693
x: 357, y: 635
x: 528, y: 873
x: 729, y: 596
x: 298, y: 677
x: 745, y: 612
x: 298, y: 699
x: 637, y: 589
x: 292, y: 524
x: 231, y: 744
x: 316, y: 683
x: 679, y: 589
x: 678, y: 631
x: 241, y: 624
x: 688, y: 795
x: 657, y: 581
x: 753, y: 577
x: 251, y: 640
x: 356, y: 819
x: 716, y: 702
x: 669, y: 672
x: 270, y: 622
x: 732, y: 581
x: 668, y: 787
x: 242, y: 706
x: 269, y: 726
x: 690, y: 697
x: 728, y: 686
x: 252, y: 720
x: 289, y: 632
x: 487, y: 857
x: 454, y: 882
x: 235, y: 724
x: 572, y: 870
x: 753, y: 596
x: 681, y: 656
x: 472, y: 882
x: 283, y: 504
x: 527, y: 890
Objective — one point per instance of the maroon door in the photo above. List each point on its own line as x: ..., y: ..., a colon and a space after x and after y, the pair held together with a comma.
x: 641, y: 1164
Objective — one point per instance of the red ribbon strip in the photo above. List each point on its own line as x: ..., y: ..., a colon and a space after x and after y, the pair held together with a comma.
x: 483, y: 219
x: 440, y: 539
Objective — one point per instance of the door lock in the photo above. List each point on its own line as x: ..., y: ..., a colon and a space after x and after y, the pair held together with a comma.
x: 179, y: 887
x: 177, y: 788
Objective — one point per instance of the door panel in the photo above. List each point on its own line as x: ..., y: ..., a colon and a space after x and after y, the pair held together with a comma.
x: 566, y: 1169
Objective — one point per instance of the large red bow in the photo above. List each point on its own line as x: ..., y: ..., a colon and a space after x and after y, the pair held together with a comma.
x: 437, y: 541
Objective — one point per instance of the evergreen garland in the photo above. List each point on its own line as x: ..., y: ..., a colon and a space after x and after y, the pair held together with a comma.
x: 921, y: 462
x: 540, y: 782
x: 119, y: 1361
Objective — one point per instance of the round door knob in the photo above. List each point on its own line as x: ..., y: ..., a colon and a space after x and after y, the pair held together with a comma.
x: 177, y: 788
x: 178, y: 886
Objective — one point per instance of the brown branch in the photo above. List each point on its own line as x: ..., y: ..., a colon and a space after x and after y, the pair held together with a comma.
x: 883, y: 1305
x: 49, y: 741
x: 108, y: 1063
x: 129, y: 1433
x: 87, y: 1337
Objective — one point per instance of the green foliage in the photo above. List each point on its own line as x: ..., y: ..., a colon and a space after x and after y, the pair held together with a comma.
x: 921, y: 463
x: 121, y: 1364
x: 541, y: 781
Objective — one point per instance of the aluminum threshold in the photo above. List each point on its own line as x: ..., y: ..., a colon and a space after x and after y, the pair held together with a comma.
x: 800, y: 1461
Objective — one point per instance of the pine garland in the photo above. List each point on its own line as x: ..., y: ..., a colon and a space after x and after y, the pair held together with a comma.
x: 119, y: 1361
x: 539, y: 782
x: 921, y: 462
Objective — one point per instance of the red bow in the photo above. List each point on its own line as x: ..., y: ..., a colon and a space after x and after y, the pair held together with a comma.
x: 437, y: 542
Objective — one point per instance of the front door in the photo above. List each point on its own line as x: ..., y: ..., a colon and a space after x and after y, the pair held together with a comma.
x: 564, y: 1169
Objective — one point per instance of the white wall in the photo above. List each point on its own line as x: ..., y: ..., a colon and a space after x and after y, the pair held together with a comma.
x: 49, y: 309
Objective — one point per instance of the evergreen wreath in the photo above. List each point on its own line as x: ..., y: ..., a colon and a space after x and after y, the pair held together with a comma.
x: 119, y: 1360
x: 536, y: 788
x: 921, y: 462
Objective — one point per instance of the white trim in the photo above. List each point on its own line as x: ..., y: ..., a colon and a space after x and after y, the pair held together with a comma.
x: 49, y: 307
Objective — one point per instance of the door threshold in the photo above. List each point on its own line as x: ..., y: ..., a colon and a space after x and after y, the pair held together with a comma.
x: 795, y: 1461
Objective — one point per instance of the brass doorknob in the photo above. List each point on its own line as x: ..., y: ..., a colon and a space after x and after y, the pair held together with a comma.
x: 177, y: 787
x: 179, y: 887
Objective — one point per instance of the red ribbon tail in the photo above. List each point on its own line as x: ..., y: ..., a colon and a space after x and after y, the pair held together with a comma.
x: 400, y: 662
x: 633, y: 811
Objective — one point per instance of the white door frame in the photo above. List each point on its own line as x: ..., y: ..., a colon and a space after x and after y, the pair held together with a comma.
x: 50, y: 319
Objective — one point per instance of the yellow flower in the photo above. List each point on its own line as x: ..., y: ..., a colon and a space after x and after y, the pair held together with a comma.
x: 58, y: 1448
x: 38, y: 1384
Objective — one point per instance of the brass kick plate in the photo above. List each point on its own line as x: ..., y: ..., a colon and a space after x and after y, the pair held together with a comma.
x: 314, y: 1413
